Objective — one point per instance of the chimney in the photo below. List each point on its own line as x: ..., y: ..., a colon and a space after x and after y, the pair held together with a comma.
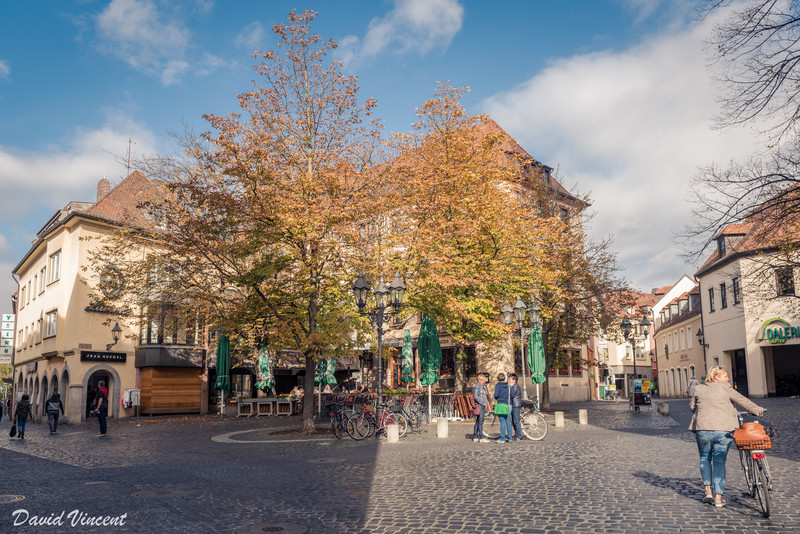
x: 103, y: 189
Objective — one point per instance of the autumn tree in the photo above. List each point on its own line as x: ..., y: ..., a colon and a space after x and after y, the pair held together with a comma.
x: 261, y: 215
x: 579, y: 294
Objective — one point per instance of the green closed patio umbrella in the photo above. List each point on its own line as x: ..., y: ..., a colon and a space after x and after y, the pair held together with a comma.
x: 223, y: 381
x: 430, y: 355
x: 536, y: 360
x: 408, y: 358
x: 266, y: 378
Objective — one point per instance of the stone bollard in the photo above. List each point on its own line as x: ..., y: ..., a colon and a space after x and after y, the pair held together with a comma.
x: 559, y: 419
x: 441, y: 427
x: 393, y: 433
x: 583, y: 417
x: 663, y: 408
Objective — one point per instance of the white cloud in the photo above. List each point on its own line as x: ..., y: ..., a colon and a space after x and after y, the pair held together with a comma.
x: 5, y: 69
x: 250, y: 37
x: 412, y: 26
x: 37, y: 184
x: 138, y: 34
x: 632, y: 128
x: 49, y: 179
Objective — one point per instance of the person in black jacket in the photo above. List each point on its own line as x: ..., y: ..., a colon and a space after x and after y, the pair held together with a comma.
x: 516, y: 405
x: 54, y: 405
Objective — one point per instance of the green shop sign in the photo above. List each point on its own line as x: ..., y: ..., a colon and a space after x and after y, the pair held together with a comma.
x: 777, y: 330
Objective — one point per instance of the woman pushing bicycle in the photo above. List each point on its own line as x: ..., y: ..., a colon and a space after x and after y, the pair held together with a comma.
x: 714, y: 417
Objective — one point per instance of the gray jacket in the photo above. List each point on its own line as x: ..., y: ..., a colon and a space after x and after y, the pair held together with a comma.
x: 479, y: 394
x: 713, y: 407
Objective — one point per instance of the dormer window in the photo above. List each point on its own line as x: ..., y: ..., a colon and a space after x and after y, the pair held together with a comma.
x: 721, y: 246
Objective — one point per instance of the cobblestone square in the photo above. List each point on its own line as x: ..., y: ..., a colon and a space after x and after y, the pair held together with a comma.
x: 623, y: 472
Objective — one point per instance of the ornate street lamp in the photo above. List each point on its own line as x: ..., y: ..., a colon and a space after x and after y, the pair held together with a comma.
x: 630, y: 336
x: 518, y: 312
x: 384, y: 297
x: 701, y: 338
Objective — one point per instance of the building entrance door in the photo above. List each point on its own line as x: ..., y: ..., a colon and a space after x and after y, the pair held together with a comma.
x: 739, y: 372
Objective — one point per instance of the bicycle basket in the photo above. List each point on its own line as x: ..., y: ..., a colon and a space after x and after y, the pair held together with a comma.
x: 753, y: 444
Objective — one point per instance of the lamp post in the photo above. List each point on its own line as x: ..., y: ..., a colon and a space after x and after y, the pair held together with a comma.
x: 701, y: 338
x: 630, y: 336
x: 518, y: 312
x: 384, y: 297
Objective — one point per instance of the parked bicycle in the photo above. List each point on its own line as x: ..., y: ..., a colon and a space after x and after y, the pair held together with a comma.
x: 374, y: 421
x: 753, y: 458
x: 533, y: 422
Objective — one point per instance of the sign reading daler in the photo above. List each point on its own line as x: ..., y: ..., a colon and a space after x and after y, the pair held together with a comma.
x: 97, y: 356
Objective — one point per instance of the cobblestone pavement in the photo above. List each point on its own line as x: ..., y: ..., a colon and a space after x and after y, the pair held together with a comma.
x: 623, y: 472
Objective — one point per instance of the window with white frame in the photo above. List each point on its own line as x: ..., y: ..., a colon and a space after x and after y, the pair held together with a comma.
x: 22, y: 297
x: 737, y: 291
x: 683, y: 339
x: 29, y: 293
x: 54, y: 267
x: 35, y: 285
x: 39, y: 330
x: 42, y: 282
x: 50, y: 323
x: 689, y: 336
x: 710, y: 299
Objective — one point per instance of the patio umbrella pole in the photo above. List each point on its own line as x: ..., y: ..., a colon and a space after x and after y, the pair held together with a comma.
x: 430, y: 410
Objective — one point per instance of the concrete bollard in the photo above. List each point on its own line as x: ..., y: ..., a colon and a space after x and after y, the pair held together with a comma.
x: 559, y: 419
x: 393, y: 433
x: 583, y: 417
x: 441, y: 427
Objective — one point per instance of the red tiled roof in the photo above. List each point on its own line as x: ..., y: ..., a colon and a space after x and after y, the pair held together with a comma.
x: 122, y: 204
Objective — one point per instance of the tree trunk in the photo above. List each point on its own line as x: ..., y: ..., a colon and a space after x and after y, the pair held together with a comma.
x: 308, y: 398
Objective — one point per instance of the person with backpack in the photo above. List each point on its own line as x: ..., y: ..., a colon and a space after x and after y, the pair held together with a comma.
x: 21, y: 413
x: 516, y: 406
x: 54, y: 405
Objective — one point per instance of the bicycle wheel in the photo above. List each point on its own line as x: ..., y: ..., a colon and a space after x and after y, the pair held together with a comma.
x: 401, y: 421
x: 357, y: 426
x: 762, y: 491
x: 336, y: 425
x: 747, y: 467
x: 491, y: 429
x: 534, y: 426
x: 421, y: 417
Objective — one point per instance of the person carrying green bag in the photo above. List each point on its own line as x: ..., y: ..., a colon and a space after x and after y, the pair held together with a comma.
x: 503, y: 395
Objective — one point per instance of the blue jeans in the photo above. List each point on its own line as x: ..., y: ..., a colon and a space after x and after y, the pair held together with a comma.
x: 515, y: 421
x: 505, y: 428
x: 477, y: 432
x: 713, y: 446
x: 21, y: 424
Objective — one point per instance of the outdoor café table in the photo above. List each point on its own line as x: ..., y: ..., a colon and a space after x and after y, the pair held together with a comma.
x: 245, y: 407
x: 266, y: 406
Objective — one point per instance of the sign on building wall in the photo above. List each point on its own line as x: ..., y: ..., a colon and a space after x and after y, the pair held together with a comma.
x: 90, y: 356
x: 7, y: 338
x: 777, y: 330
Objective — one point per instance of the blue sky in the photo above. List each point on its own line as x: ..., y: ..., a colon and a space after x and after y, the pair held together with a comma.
x: 615, y: 94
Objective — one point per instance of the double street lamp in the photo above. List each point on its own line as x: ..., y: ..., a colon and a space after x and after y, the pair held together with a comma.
x: 630, y: 335
x: 518, y: 312
x: 384, y: 297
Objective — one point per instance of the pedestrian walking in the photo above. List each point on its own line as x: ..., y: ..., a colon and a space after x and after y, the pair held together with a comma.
x: 503, y: 395
x: 1, y: 409
x: 516, y: 405
x: 54, y: 405
x: 481, y: 397
x: 101, y: 407
x: 715, y: 416
x: 21, y: 413
x: 693, y: 383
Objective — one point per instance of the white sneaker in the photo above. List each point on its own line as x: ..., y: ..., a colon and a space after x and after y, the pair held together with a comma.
x: 476, y: 440
x: 484, y: 440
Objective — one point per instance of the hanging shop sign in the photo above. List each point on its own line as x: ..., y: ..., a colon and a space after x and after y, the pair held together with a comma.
x: 777, y: 330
